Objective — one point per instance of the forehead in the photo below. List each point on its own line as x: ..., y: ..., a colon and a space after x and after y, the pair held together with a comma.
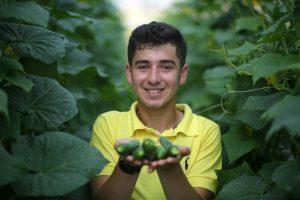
x: 148, y: 52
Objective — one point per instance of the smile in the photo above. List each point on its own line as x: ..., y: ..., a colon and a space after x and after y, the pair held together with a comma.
x: 154, y: 91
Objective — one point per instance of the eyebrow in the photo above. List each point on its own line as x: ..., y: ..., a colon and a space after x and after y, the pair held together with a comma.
x: 161, y: 61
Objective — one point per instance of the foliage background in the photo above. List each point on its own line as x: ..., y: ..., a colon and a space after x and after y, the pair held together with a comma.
x: 62, y: 64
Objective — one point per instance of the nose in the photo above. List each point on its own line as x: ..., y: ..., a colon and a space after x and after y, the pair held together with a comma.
x: 154, y: 76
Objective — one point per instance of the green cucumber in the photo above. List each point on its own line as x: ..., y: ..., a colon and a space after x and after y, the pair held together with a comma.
x: 122, y: 149
x: 138, y: 153
x: 171, y: 149
x: 149, y: 148
x: 128, y: 148
x: 160, y: 153
x: 132, y: 145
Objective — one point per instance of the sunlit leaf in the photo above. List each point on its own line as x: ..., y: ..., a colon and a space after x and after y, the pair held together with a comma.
x: 285, y: 114
x: 47, y: 105
x: 271, y: 63
x: 243, y: 50
x: 237, y: 144
x: 248, y: 23
x: 57, y: 163
x: 28, y: 12
x: 33, y: 41
x: 11, y: 167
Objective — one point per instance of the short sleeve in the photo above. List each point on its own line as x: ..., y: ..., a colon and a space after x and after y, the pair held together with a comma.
x: 206, y: 158
x: 102, y: 139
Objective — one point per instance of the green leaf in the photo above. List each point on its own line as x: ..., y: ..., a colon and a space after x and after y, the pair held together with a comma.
x: 33, y: 41
x: 74, y: 63
x: 258, y: 103
x: 243, y: 188
x: 3, y: 104
x: 243, y: 50
x: 285, y: 114
x: 237, y: 144
x: 28, y: 12
x: 12, y: 71
x: 267, y: 170
x: 57, y: 163
x: 252, y: 118
x: 248, y: 23
x: 287, y: 177
x: 47, y: 105
x: 10, y: 129
x: 225, y: 176
x: 11, y: 167
x: 271, y: 63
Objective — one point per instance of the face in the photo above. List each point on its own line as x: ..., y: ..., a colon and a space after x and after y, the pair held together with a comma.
x: 155, y: 76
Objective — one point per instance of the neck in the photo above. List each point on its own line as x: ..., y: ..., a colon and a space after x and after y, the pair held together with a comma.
x: 160, y: 119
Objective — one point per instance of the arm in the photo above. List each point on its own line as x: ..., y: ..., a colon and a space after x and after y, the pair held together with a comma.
x: 117, y: 186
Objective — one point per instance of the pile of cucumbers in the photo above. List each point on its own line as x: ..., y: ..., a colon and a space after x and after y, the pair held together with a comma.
x: 147, y: 149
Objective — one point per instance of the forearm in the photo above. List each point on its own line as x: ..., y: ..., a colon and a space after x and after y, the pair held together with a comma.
x: 176, y: 185
x: 118, y: 186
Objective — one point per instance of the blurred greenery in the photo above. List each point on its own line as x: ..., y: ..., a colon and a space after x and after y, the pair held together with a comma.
x: 62, y: 64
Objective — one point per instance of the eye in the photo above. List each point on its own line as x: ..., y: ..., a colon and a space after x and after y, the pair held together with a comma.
x: 167, y: 67
x: 142, y: 67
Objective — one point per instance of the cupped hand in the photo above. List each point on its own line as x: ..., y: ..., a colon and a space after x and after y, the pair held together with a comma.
x: 168, y: 162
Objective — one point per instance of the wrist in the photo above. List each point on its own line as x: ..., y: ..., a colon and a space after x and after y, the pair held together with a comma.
x: 127, y: 168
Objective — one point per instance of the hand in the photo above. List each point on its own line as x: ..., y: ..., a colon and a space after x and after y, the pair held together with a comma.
x: 168, y: 162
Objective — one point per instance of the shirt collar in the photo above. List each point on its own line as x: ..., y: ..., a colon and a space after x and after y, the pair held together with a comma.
x: 187, y: 125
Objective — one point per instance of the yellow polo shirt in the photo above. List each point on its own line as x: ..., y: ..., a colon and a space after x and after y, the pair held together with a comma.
x: 200, y: 134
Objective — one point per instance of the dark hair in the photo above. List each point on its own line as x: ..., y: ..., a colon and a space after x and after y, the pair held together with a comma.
x: 156, y: 34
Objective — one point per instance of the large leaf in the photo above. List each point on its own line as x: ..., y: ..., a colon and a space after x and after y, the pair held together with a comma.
x: 250, y: 188
x: 287, y: 177
x: 271, y: 63
x: 57, y: 163
x: 258, y: 103
x: 237, y: 144
x: 243, y: 188
x: 243, y: 50
x: 10, y: 129
x: 33, y: 41
x: 225, y: 176
x: 28, y: 12
x: 267, y: 170
x: 285, y: 114
x: 47, y: 105
x: 3, y: 104
x: 11, y: 167
x: 252, y: 118
x: 11, y: 70
x: 248, y: 23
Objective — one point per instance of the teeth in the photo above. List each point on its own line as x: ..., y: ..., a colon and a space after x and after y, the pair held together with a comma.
x: 153, y: 91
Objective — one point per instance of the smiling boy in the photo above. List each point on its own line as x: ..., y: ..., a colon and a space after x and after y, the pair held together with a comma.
x: 156, y: 68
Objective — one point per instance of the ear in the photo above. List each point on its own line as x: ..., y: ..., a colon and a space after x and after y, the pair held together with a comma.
x: 183, y: 74
x: 128, y: 74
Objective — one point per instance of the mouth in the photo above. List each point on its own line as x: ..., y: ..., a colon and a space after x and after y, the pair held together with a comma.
x: 153, y: 91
